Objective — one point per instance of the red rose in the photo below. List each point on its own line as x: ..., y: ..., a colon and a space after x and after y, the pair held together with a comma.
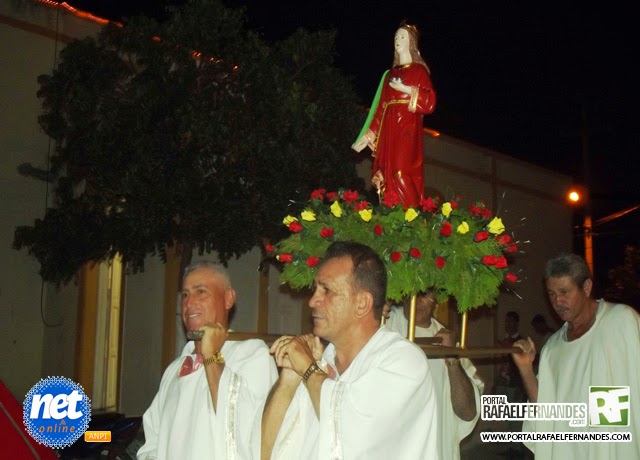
x: 415, y: 253
x: 326, y: 232
x: 501, y: 262
x: 428, y: 205
x: 378, y: 230
x: 391, y: 198
x: 475, y: 210
x: 395, y: 256
x: 511, y: 277
x: 269, y: 248
x: 489, y: 260
x: 511, y: 248
x: 359, y: 206
x: 446, y: 229
x: 295, y: 226
x: 318, y: 194
x: 333, y: 196
x: 350, y: 196
x: 312, y: 261
x: 503, y: 239
x: 454, y: 204
x: 440, y: 262
x: 481, y: 236
x: 288, y: 258
x: 480, y: 210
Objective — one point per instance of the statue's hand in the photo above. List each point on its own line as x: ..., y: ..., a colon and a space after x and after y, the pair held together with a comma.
x: 399, y: 86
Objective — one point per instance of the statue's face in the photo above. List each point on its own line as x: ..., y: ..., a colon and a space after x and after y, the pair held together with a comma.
x: 402, y: 41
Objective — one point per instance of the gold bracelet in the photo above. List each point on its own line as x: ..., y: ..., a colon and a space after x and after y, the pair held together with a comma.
x: 217, y: 358
x: 312, y: 369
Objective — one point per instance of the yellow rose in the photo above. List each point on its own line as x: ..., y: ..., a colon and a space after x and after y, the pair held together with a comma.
x: 336, y: 210
x: 446, y: 209
x: 496, y: 226
x: 308, y: 215
x: 410, y: 214
x: 287, y: 220
x: 366, y: 214
x: 463, y: 228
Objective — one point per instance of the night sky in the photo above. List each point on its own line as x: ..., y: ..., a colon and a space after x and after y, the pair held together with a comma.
x: 510, y: 76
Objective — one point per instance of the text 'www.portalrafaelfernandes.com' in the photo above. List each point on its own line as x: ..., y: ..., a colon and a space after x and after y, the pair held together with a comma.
x: 517, y: 436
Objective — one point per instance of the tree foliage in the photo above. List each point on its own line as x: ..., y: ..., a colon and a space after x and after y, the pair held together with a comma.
x: 194, y: 130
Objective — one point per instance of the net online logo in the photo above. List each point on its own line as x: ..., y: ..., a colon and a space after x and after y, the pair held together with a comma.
x: 609, y: 406
x: 56, y: 412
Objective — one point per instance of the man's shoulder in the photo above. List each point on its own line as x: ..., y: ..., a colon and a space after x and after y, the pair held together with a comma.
x: 389, y: 350
x: 619, y: 309
x: 621, y: 314
x: 173, y: 368
x: 246, y: 349
x: 391, y: 342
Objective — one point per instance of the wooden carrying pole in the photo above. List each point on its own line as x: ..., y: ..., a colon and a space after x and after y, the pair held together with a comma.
x: 463, y: 333
x: 411, y: 333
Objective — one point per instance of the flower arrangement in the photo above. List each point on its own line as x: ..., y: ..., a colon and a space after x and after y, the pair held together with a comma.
x: 455, y: 251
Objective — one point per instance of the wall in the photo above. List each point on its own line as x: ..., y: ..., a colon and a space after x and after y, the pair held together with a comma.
x: 26, y: 52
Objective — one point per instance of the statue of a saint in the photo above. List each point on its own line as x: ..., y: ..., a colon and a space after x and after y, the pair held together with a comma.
x: 394, y: 130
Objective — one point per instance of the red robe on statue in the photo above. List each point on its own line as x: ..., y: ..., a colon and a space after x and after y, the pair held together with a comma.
x: 396, y: 131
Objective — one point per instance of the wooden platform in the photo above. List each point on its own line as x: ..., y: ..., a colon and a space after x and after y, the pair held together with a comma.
x: 428, y: 344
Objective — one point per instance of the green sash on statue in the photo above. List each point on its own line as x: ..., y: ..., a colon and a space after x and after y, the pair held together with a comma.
x: 373, y: 108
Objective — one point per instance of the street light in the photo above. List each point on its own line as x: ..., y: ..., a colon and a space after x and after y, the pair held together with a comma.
x: 576, y: 196
x: 573, y: 196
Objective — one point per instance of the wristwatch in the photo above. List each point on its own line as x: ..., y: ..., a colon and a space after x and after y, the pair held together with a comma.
x: 216, y: 358
x: 312, y: 369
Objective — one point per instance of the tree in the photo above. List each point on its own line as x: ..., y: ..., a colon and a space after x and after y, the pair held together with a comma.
x: 193, y: 131
x: 624, y: 280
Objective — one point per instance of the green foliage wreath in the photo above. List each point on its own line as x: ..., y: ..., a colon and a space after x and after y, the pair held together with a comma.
x: 458, y: 252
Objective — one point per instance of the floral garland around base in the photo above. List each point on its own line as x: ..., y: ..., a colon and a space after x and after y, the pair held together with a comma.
x: 455, y: 251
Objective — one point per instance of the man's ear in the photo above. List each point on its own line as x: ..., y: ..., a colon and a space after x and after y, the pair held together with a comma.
x: 364, y: 304
x: 229, y: 299
x: 587, y: 287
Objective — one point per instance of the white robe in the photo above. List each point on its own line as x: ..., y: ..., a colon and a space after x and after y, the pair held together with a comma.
x: 381, y: 407
x: 181, y: 423
x: 608, y: 354
x: 452, y: 429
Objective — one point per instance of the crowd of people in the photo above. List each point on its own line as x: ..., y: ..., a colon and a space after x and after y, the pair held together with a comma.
x: 356, y: 389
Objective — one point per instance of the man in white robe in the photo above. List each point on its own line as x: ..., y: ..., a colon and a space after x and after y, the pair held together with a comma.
x: 211, y: 396
x: 371, y: 394
x: 458, y: 387
x: 598, y: 345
